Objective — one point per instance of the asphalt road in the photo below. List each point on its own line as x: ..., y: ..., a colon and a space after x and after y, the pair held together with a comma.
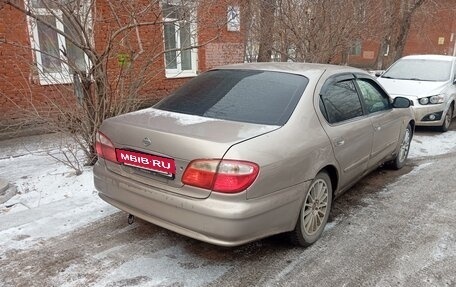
x: 394, y: 228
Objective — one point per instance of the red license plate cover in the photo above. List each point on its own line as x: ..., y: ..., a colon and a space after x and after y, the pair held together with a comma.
x: 146, y: 161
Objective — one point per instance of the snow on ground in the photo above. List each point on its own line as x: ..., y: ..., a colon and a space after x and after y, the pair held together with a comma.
x: 166, y: 267
x: 52, y: 200
x: 432, y: 144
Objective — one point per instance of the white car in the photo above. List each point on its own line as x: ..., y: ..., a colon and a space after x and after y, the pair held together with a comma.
x: 430, y: 82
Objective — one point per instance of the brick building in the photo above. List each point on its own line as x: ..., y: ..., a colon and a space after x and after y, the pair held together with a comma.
x: 432, y: 31
x: 37, y: 80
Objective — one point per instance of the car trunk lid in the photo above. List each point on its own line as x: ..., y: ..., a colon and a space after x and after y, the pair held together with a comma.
x: 178, y: 137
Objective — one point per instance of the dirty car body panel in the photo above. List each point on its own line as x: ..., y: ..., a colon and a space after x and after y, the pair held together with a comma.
x: 268, y: 121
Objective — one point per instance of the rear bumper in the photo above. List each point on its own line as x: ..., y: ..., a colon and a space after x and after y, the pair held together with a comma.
x: 226, y: 220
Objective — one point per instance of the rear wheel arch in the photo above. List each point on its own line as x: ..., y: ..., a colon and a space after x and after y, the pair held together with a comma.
x: 331, y: 170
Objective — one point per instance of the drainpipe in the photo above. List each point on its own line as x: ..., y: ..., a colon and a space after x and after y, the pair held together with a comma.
x: 454, y: 45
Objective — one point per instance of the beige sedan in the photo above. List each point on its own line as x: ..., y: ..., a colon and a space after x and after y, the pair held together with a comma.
x: 245, y: 151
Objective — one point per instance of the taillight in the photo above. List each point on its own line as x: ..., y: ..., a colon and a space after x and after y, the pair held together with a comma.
x: 227, y: 176
x: 105, y: 148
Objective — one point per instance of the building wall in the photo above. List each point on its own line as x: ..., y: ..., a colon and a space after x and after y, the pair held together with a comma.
x: 367, y: 57
x: 20, y: 91
x: 18, y: 85
x: 433, y: 31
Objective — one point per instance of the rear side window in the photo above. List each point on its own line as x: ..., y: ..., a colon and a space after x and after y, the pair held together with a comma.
x: 260, y: 97
x: 340, y: 102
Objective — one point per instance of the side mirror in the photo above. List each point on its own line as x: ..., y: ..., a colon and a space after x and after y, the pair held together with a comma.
x: 378, y: 74
x: 401, y: 103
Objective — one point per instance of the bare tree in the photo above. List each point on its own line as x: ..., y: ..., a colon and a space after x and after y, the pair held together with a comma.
x: 109, y: 76
x: 307, y: 31
x: 265, y: 45
x: 395, y: 22
x: 325, y: 31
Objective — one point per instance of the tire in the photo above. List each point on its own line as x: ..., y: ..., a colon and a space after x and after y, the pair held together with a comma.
x: 402, y: 155
x: 447, y: 120
x: 314, y: 212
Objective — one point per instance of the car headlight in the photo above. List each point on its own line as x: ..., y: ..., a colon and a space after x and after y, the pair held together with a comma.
x: 424, y: 101
x: 436, y: 99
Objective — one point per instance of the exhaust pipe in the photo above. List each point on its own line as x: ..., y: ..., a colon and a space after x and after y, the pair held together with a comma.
x: 131, y: 219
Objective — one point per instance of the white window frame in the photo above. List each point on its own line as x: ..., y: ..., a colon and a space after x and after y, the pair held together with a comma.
x: 46, y: 78
x: 178, y: 72
x: 357, y: 48
x: 234, y: 18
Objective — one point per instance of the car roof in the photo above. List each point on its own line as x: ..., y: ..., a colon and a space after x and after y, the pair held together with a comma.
x: 305, y: 69
x: 430, y: 57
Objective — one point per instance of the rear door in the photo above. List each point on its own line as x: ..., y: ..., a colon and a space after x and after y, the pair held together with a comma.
x: 349, y: 130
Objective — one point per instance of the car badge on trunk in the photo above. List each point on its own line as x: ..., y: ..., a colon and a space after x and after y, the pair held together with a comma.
x: 147, y: 141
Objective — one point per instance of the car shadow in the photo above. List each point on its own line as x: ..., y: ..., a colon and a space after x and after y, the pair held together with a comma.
x: 367, y: 188
x: 434, y: 130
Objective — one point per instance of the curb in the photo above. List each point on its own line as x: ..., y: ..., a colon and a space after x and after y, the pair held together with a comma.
x: 3, y: 185
x: 6, y: 191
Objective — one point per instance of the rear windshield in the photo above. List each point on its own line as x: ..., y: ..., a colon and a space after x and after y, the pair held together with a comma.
x: 420, y: 70
x: 260, y: 97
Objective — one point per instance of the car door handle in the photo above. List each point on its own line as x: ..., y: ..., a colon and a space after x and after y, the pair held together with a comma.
x: 378, y: 128
x: 339, y: 142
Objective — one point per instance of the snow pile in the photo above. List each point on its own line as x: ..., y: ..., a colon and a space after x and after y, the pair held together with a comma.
x: 432, y: 144
x: 51, y: 200
x: 181, y: 119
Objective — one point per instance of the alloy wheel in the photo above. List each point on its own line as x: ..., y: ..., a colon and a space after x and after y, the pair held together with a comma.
x: 315, y: 207
x: 448, y: 117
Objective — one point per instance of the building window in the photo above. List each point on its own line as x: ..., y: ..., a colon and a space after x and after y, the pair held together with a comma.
x: 57, y: 58
x: 234, y: 18
x: 355, y: 49
x: 179, y: 34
